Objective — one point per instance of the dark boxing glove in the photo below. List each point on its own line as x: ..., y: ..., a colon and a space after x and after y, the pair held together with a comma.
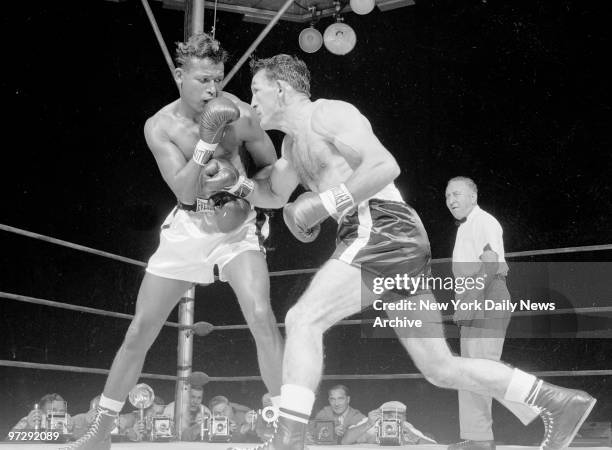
x: 230, y: 211
x: 217, y: 114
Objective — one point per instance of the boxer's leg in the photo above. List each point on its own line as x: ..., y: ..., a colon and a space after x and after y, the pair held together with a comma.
x: 247, y: 273
x: 563, y: 410
x: 156, y: 299
x: 334, y: 293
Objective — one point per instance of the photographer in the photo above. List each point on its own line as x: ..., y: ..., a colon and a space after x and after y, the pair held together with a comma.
x: 37, y: 417
x: 366, y: 432
x: 239, y: 427
x: 340, y: 411
x: 142, y: 428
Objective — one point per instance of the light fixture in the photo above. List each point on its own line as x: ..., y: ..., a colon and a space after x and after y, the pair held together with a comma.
x: 339, y: 38
x: 362, y: 7
x: 310, y: 39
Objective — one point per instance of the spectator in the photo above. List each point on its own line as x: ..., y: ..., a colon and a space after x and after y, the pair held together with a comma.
x: 240, y: 428
x: 37, y: 417
x: 256, y: 424
x: 194, y: 419
x: 366, y: 431
x: 340, y: 411
x: 142, y: 428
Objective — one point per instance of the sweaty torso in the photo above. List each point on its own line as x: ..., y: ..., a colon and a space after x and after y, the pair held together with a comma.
x: 316, y: 159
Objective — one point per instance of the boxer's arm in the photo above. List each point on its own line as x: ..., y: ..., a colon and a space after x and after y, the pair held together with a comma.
x: 351, y: 133
x: 274, y: 190
x: 178, y: 173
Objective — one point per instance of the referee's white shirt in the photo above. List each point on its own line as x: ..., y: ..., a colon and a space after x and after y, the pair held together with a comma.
x: 479, y: 229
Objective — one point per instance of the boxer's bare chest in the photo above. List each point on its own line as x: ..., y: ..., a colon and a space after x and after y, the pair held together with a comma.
x: 185, y: 137
x: 316, y: 160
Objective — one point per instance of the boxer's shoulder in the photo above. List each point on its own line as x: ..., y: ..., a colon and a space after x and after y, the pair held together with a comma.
x: 332, y: 117
x: 164, y: 121
x: 324, y: 106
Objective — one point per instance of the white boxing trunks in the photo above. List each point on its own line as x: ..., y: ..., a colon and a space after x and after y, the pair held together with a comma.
x: 190, y: 246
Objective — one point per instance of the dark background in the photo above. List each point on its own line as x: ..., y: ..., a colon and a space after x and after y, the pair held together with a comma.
x: 514, y: 95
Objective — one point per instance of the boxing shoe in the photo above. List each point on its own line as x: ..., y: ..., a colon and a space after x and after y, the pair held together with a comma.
x: 288, y: 435
x: 97, y: 436
x: 562, y: 410
x: 469, y: 444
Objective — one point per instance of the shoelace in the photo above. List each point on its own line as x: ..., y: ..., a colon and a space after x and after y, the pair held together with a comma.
x: 93, y: 430
x: 264, y: 444
x: 463, y: 443
x: 549, y: 421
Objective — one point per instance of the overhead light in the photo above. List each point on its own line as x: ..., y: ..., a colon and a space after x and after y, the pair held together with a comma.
x: 339, y: 38
x: 362, y: 7
x: 310, y: 39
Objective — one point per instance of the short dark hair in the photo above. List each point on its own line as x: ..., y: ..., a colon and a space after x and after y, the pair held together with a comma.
x: 219, y: 399
x: 468, y: 181
x: 200, y: 46
x: 286, y: 68
x: 338, y: 387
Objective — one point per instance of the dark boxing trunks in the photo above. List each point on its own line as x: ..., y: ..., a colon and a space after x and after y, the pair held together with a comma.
x: 384, y: 238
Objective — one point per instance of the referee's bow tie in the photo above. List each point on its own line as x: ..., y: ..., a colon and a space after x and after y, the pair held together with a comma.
x: 460, y: 221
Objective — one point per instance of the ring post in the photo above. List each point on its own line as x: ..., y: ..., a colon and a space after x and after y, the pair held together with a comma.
x: 194, y: 18
x: 184, y: 360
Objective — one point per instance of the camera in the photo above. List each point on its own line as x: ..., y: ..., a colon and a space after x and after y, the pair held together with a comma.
x: 389, y: 431
x: 57, y: 421
x: 269, y: 414
x: 323, y: 432
x: 219, y: 430
x: 161, y: 428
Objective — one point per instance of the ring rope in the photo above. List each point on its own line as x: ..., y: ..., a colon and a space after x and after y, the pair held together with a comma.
x: 101, y: 312
x: 278, y: 273
x: 63, y: 243
x: 387, y: 376
x: 86, y: 309
x: 449, y: 317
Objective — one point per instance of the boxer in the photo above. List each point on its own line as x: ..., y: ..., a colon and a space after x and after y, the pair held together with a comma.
x: 196, y: 142
x: 330, y: 148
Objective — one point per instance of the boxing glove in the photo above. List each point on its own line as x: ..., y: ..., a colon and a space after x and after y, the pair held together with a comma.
x: 216, y: 175
x: 304, y: 216
x: 230, y: 211
x: 217, y: 114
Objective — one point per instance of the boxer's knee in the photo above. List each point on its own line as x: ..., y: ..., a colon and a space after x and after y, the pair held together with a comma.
x: 260, y: 317
x: 140, y: 335
x: 303, y: 317
x: 440, y: 372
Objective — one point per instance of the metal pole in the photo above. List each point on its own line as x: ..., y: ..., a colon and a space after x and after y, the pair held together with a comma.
x: 194, y: 18
x: 184, y: 360
x: 160, y: 39
x: 254, y: 45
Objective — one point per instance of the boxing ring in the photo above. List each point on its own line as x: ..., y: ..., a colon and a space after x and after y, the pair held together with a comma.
x: 188, y: 330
